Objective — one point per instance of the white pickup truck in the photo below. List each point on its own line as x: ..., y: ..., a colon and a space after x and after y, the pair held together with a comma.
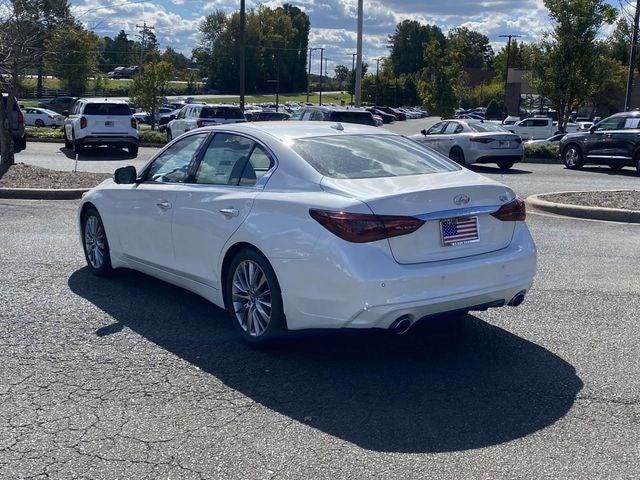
x: 538, y: 128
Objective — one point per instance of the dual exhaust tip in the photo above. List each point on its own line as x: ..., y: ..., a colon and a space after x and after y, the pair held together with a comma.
x: 403, y: 324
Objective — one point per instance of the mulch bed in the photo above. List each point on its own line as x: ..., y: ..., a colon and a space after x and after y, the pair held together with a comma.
x: 27, y: 176
x: 626, y: 200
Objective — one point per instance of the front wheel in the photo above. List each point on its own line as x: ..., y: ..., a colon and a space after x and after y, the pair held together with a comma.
x: 572, y: 157
x: 95, y: 243
x: 253, y: 298
x: 39, y: 123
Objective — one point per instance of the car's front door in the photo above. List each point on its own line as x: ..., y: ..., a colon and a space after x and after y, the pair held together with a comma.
x: 142, y: 214
x: 211, y: 207
x: 448, y: 138
x: 433, y: 135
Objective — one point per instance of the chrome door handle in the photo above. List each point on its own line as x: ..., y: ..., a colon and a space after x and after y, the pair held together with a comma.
x: 229, y: 212
x: 164, y: 205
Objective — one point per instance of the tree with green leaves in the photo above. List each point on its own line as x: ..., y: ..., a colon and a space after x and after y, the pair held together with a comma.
x: 71, y: 56
x: 563, y: 65
x: 341, y: 74
x: 472, y: 49
x: 407, y: 45
x: 149, y: 86
x: 442, y: 79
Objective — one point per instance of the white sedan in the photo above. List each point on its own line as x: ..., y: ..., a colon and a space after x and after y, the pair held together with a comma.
x: 301, y: 225
x: 41, y: 117
x: 471, y: 141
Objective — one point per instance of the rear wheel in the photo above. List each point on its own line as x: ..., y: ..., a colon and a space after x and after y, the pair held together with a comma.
x: 39, y: 123
x: 505, y: 164
x: 95, y: 243
x: 572, y: 157
x: 253, y: 298
x: 133, y: 150
x: 457, y: 155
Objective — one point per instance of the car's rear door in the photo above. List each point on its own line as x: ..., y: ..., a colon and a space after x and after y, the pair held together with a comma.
x: 623, y: 142
x: 142, y: 214
x: 215, y: 202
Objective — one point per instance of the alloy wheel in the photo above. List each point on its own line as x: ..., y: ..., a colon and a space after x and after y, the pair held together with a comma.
x: 572, y: 157
x: 251, y: 296
x: 95, y: 241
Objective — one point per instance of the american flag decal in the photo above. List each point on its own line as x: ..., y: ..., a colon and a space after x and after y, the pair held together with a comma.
x: 457, y: 231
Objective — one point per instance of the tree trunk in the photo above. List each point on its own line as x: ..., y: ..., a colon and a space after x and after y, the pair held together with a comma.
x: 39, y: 86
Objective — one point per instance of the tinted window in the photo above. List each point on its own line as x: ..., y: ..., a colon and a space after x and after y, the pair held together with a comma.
x: 611, y: 123
x: 436, y: 129
x: 222, y: 112
x: 173, y: 165
x: 486, y: 127
x: 363, y: 118
x: 225, y: 159
x: 369, y: 156
x: 538, y: 123
x: 107, y: 109
x: 453, y: 127
x: 259, y: 163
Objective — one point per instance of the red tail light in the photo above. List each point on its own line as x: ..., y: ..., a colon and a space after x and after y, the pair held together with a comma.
x: 481, y: 139
x: 20, y: 117
x: 200, y: 123
x: 514, y: 211
x: 363, y: 228
x: 134, y: 123
x: 83, y: 122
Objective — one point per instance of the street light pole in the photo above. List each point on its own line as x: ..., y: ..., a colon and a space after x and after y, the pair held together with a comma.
x: 358, y: 83
x: 506, y: 69
x: 353, y: 72
x: 321, y: 63
x: 632, y: 58
x: 243, y: 21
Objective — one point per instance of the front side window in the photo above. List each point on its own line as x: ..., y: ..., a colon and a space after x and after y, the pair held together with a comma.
x: 611, y: 123
x: 225, y: 159
x: 369, y: 156
x: 436, y: 129
x: 172, y: 166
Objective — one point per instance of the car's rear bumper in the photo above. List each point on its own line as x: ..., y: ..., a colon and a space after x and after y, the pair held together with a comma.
x: 357, y: 287
x: 116, y: 140
x: 496, y: 157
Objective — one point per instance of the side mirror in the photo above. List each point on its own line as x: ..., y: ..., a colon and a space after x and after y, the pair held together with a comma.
x: 423, y: 131
x: 125, y: 175
x: 592, y: 129
x: 65, y: 113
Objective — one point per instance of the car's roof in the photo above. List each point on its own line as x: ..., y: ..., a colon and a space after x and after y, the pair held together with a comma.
x: 295, y: 129
x: 633, y: 113
x: 102, y: 100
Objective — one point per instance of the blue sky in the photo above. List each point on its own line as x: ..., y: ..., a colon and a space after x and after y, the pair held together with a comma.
x: 333, y: 22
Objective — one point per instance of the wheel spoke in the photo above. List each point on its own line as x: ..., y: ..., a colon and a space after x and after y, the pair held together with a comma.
x: 251, y: 297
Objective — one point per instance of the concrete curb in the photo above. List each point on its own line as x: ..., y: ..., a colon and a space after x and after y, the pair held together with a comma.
x: 42, y: 193
x: 61, y: 141
x: 583, y: 211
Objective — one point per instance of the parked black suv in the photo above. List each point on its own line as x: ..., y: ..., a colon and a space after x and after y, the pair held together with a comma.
x: 16, y: 121
x: 614, y: 141
x: 335, y: 114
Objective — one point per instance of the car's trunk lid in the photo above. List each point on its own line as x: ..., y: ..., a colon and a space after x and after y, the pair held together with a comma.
x: 435, y: 198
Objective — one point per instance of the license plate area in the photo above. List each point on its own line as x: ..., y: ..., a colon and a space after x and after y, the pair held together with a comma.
x: 459, y: 231
x: 504, y: 144
x: 108, y: 123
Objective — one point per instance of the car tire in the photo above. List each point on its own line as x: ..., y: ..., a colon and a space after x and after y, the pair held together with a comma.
x: 39, y: 123
x: 457, y: 155
x: 254, y: 304
x: 133, y: 150
x: 637, y: 162
x: 572, y: 157
x: 95, y: 243
x: 505, y: 164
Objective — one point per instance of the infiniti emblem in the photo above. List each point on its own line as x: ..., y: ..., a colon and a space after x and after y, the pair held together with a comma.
x: 461, y: 199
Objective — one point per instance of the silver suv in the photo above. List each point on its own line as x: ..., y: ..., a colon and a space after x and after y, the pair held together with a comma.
x: 202, y: 115
x: 93, y: 122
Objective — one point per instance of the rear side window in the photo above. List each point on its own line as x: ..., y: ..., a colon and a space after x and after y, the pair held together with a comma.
x: 227, y: 113
x: 632, y: 123
x: 113, y: 109
x: 225, y: 160
x: 369, y: 156
x: 363, y: 118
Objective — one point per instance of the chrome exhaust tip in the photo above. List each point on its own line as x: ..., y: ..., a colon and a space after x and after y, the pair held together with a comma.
x: 517, y: 300
x: 401, y: 325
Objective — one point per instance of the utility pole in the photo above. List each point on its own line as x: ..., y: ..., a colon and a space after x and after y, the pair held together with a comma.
x: 243, y: 22
x: 506, y: 69
x: 358, y: 82
x: 353, y: 72
x: 321, y: 62
x: 632, y: 58
x: 143, y: 40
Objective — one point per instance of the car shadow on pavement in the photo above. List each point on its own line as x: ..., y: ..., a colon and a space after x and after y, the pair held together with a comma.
x: 96, y: 154
x: 428, y: 391
x: 625, y: 172
x: 485, y: 169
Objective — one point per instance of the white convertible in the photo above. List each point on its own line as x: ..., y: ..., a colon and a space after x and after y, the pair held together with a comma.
x: 300, y: 225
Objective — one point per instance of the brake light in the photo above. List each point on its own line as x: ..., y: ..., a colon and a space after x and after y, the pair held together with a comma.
x: 134, y: 123
x: 481, y: 139
x: 83, y: 122
x: 20, y: 117
x: 200, y: 124
x: 363, y: 228
x: 514, y: 211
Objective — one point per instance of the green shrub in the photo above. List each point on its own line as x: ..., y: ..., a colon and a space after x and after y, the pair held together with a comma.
x: 45, y: 132
x: 152, y: 136
x: 541, y: 151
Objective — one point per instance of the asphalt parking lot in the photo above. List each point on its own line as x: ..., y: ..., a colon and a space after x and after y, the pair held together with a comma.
x: 129, y: 377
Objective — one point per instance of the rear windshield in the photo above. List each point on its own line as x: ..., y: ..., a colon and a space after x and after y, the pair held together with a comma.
x: 363, y: 118
x: 221, y: 112
x: 486, y: 127
x: 369, y: 156
x: 107, y: 109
